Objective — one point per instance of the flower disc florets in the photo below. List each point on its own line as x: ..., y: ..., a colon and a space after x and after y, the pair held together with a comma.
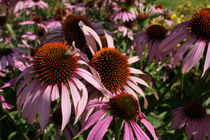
x: 195, y: 110
x: 53, y: 65
x: 72, y: 31
x: 157, y: 32
x: 112, y: 67
x: 124, y: 106
x: 200, y: 24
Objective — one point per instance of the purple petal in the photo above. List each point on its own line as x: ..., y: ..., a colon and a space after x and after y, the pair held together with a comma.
x: 140, y: 134
x: 207, y: 60
x: 99, y: 130
x: 44, y: 113
x: 67, y: 134
x: 128, y: 134
x: 150, y: 128
x: 92, y: 119
x: 4, y: 62
x: 193, y: 56
x: 65, y: 106
x: 181, y: 51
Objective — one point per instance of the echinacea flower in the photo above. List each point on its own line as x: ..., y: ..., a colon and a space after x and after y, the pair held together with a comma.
x: 20, y: 5
x: 153, y: 36
x: 196, y: 33
x: 113, y: 67
x: 122, y: 13
x: 56, y: 71
x: 11, y: 57
x: 124, y: 108
x: 39, y: 3
x: 193, y: 116
x: 35, y: 20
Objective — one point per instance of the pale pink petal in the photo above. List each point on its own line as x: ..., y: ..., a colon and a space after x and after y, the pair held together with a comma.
x: 109, y: 39
x: 207, y: 60
x: 89, y: 78
x: 5, y: 105
x: 99, y: 130
x: 10, y: 60
x: 65, y: 106
x: 193, y: 56
x: 44, y: 112
x: 55, y: 93
x: 135, y: 71
x: 27, y: 22
x: 150, y: 128
x: 84, y: 98
x: 128, y: 134
x: 90, y: 36
x: 138, y: 90
x: 140, y: 134
x: 92, y: 119
x: 133, y: 59
x: 142, y: 82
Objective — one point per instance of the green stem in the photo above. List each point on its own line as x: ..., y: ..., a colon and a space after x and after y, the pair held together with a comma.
x: 182, y: 86
x: 117, y: 129
x: 15, y: 124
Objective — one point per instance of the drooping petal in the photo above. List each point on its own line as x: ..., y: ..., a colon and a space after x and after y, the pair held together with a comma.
x: 193, y: 56
x: 140, y: 134
x: 65, y: 106
x: 84, y: 98
x: 3, y: 62
x: 150, y: 128
x: 109, y: 39
x: 99, y: 130
x: 128, y: 134
x: 44, y: 113
x: 93, y: 119
x: 9, y: 83
x: 26, y: 71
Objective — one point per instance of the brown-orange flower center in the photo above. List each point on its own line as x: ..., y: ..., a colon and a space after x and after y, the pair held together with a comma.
x: 72, y: 31
x: 53, y: 64
x: 200, y: 24
x: 156, y: 32
x: 195, y: 110
x: 124, y: 106
x: 112, y: 67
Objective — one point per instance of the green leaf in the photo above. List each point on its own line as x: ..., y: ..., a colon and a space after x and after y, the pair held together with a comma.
x: 11, y: 135
x: 11, y: 31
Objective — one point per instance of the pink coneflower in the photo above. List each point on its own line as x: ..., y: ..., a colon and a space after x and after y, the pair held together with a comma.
x: 124, y: 108
x: 35, y: 20
x: 58, y: 19
x: 11, y: 57
x: 113, y: 67
x: 56, y: 70
x: 123, y: 13
x: 196, y: 31
x: 153, y: 36
x: 38, y: 3
x: 21, y: 4
x: 194, y: 117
